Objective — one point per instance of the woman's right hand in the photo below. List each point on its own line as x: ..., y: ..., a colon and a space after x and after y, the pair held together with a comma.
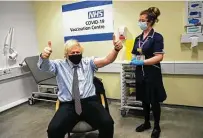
x: 134, y: 58
x: 136, y: 62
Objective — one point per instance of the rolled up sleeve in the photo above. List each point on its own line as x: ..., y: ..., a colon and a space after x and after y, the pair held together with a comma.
x: 92, y: 64
x: 159, y: 44
x: 47, y: 65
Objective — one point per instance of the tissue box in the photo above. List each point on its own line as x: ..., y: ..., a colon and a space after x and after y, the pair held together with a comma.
x: 194, y: 29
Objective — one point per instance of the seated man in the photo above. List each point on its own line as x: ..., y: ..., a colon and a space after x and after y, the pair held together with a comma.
x: 76, y: 94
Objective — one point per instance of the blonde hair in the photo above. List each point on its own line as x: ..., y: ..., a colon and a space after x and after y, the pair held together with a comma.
x: 69, y: 44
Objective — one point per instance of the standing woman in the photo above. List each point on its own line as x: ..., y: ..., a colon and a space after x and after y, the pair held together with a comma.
x: 148, y: 53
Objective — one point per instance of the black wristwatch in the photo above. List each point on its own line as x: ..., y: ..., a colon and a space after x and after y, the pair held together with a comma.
x: 116, y: 50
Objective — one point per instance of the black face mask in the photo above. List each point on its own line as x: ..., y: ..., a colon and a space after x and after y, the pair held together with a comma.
x: 75, y: 59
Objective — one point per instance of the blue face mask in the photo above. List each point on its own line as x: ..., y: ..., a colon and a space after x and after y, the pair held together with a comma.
x: 142, y: 25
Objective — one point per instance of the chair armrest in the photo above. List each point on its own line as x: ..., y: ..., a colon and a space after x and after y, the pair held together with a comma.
x: 102, y: 100
x: 57, y: 105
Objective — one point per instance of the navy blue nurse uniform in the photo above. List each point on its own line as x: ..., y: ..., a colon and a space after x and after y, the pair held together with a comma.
x: 149, y: 84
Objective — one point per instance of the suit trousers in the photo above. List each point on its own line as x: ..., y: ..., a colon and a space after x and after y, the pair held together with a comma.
x: 93, y: 113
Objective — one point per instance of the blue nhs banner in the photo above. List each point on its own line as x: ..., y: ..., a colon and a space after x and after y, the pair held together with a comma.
x: 88, y: 21
x: 95, y: 14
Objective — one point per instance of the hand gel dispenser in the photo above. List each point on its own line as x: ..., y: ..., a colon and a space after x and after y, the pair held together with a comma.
x: 122, y: 37
x: 122, y: 33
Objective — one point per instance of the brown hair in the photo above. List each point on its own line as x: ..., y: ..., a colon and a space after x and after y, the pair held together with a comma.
x: 152, y: 14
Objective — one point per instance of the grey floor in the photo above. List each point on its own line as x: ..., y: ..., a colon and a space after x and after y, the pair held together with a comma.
x: 27, y: 121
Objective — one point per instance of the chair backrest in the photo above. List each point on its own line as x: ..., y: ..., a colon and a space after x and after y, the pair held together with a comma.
x: 100, y: 92
x: 38, y: 75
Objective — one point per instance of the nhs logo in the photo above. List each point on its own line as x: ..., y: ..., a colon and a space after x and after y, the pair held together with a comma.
x: 95, y: 14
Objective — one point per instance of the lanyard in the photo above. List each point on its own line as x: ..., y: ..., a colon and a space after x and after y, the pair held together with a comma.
x: 140, y: 46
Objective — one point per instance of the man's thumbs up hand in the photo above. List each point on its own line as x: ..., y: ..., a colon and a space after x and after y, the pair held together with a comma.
x: 117, y: 44
x: 47, y: 51
x: 49, y: 44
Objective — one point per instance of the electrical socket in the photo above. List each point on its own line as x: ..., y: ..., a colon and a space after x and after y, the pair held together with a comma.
x: 5, y: 71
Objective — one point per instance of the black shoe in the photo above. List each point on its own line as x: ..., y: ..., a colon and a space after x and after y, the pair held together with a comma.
x: 143, y: 127
x: 156, y: 133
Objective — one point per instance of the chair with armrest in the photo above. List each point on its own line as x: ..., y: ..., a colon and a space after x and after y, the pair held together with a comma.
x: 82, y: 126
x: 46, y: 81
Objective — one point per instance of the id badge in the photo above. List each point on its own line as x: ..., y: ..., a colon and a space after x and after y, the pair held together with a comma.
x: 139, y: 50
x: 140, y: 57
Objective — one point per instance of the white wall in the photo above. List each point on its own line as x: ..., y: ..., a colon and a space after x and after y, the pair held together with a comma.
x: 15, y: 91
x: 19, y: 15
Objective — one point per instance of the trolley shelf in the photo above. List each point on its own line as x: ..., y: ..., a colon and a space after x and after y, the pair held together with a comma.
x: 132, y: 107
x: 128, y: 89
x: 135, y: 102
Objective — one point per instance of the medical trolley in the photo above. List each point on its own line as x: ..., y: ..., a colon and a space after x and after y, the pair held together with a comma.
x: 128, y: 89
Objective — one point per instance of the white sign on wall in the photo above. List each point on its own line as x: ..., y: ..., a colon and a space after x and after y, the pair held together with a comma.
x: 88, y: 21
